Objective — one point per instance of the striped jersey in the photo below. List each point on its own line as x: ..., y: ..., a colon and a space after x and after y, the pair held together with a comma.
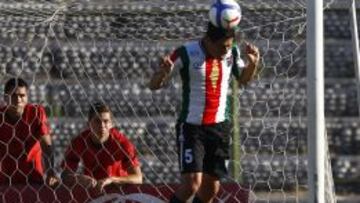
x: 205, y: 82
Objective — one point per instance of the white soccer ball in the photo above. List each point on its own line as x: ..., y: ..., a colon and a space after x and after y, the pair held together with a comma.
x: 225, y: 14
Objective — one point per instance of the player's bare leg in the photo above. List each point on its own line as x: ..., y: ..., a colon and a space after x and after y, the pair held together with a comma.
x: 190, y: 185
x: 209, y: 187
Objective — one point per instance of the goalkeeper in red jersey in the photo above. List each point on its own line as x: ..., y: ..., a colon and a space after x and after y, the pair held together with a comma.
x: 203, y: 128
x: 107, y: 155
x: 25, y: 144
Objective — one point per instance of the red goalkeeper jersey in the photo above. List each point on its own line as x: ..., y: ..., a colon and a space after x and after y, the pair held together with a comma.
x: 109, y: 159
x: 20, y: 152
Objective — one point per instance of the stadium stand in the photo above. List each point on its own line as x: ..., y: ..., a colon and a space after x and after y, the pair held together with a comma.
x: 97, y: 53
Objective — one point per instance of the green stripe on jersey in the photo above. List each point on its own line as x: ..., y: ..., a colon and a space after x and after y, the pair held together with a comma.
x: 184, y: 73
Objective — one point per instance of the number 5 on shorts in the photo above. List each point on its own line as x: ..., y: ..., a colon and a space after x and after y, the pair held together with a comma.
x: 188, y: 156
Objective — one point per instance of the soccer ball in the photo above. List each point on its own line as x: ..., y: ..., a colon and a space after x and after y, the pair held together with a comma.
x: 225, y: 14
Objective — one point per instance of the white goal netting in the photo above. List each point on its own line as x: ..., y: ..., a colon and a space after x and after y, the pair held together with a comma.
x: 76, y: 52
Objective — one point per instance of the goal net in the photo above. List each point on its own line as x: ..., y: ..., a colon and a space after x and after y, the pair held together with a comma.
x: 76, y: 52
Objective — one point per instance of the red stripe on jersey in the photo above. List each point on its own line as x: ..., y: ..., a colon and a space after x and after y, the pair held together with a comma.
x: 213, y: 88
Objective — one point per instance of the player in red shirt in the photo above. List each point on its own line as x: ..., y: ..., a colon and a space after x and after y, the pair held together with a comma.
x: 107, y: 155
x: 25, y: 142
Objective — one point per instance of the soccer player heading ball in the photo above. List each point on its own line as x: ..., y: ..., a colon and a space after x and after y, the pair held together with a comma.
x: 203, y: 129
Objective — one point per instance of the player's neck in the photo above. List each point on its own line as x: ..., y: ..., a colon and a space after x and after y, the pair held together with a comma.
x: 208, y: 48
x: 97, y: 141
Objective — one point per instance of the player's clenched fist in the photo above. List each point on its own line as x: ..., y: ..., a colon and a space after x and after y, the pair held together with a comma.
x: 166, y: 65
x: 252, y: 54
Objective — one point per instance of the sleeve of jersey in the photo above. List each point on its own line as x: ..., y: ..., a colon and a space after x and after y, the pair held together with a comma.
x: 130, y: 153
x: 44, y: 128
x: 71, y: 159
x: 238, y: 64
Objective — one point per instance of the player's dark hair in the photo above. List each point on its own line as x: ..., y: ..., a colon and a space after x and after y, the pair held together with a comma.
x: 216, y: 33
x: 13, y: 83
x: 97, y: 108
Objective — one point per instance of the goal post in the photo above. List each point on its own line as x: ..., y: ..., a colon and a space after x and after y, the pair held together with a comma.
x: 315, y: 107
x: 320, y: 179
x: 356, y: 48
x: 236, y: 151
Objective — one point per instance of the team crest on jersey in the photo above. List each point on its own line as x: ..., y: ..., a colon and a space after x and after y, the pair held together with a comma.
x: 215, y: 73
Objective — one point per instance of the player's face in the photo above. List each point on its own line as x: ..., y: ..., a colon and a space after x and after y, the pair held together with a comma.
x: 17, y: 100
x: 222, y: 46
x: 100, y: 126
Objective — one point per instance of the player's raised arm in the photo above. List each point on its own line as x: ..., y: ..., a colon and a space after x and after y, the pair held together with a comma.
x: 162, y: 75
x: 253, y: 58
